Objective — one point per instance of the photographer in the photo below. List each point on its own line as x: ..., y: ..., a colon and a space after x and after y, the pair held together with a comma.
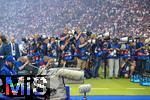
x: 83, y: 50
x: 96, y: 56
x: 140, y: 55
x: 77, y: 34
x: 124, y: 50
x: 84, y: 55
x: 67, y: 48
x: 113, y: 58
x: 44, y: 64
x: 105, y: 54
x: 65, y: 35
x: 127, y: 68
x: 52, y: 48
x: 45, y: 46
x: 21, y: 65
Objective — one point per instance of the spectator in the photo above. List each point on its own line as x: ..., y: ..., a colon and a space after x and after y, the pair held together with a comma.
x: 125, y: 16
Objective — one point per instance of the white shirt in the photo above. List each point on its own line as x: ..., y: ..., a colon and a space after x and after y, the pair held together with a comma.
x: 13, y: 51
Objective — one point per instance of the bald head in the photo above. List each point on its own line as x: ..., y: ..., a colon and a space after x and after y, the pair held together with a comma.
x: 12, y: 39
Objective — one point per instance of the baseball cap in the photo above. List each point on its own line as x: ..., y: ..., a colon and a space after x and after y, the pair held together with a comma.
x: 10, y: 59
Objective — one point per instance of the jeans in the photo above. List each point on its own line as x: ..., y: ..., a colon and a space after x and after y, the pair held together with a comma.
x: 140, y: 64
x: 87, y: 73
x: 96, y: 66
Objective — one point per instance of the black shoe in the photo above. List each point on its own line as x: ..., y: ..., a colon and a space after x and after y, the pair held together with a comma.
x: 110, y: 77
x: 116, y: 77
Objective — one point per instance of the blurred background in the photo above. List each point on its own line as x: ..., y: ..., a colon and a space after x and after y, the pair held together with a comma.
x: 22, y: 17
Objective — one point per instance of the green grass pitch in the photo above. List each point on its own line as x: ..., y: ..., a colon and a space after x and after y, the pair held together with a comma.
x: 111, y: 87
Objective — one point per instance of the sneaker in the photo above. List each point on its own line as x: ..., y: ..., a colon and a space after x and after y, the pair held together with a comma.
x: 116, y: 78
x: 110, y: 77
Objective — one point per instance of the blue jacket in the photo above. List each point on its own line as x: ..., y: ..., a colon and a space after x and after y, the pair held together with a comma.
x: 17, y: 65
x: 139, y: 45
x: 6, y: 70
x: 44, y: 49
x: 4, y: 51
x: 113, y: 46
x: 97, y: 49
x: 82, y: 52
x: 52, y: 52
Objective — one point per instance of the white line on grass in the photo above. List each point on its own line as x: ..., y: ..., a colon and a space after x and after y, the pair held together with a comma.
x: 122, y: 88
x: 100, y: 88
x: 135, y: 88
x: 126, y: 88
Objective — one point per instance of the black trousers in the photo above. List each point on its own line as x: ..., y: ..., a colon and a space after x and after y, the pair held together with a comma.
x: 140, y: 64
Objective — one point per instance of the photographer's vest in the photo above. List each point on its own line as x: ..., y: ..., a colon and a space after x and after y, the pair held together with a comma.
x: 140, y: 54
x: 37, y: 57
x: 52, y: 52
x: 125, y: 69
x: 113, y: 53
x: 98, y: 52
x: 83, y: 53
x: 67, y: 53
x: 124, y: 52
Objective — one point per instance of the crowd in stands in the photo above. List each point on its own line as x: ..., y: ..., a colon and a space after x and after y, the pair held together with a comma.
x: 21, y: 17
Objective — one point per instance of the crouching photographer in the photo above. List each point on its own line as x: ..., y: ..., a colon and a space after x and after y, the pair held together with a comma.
x: 21, y: 64
x: 45, y: 64
x: 127, y: 68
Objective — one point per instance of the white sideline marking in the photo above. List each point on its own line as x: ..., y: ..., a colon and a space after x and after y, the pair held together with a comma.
x: 123, y: 88
x: 135, y: 88
x: 100, y: 88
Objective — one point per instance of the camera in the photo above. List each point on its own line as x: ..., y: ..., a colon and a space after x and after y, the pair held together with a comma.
x: 88, y: 33
x: 24, y: 40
